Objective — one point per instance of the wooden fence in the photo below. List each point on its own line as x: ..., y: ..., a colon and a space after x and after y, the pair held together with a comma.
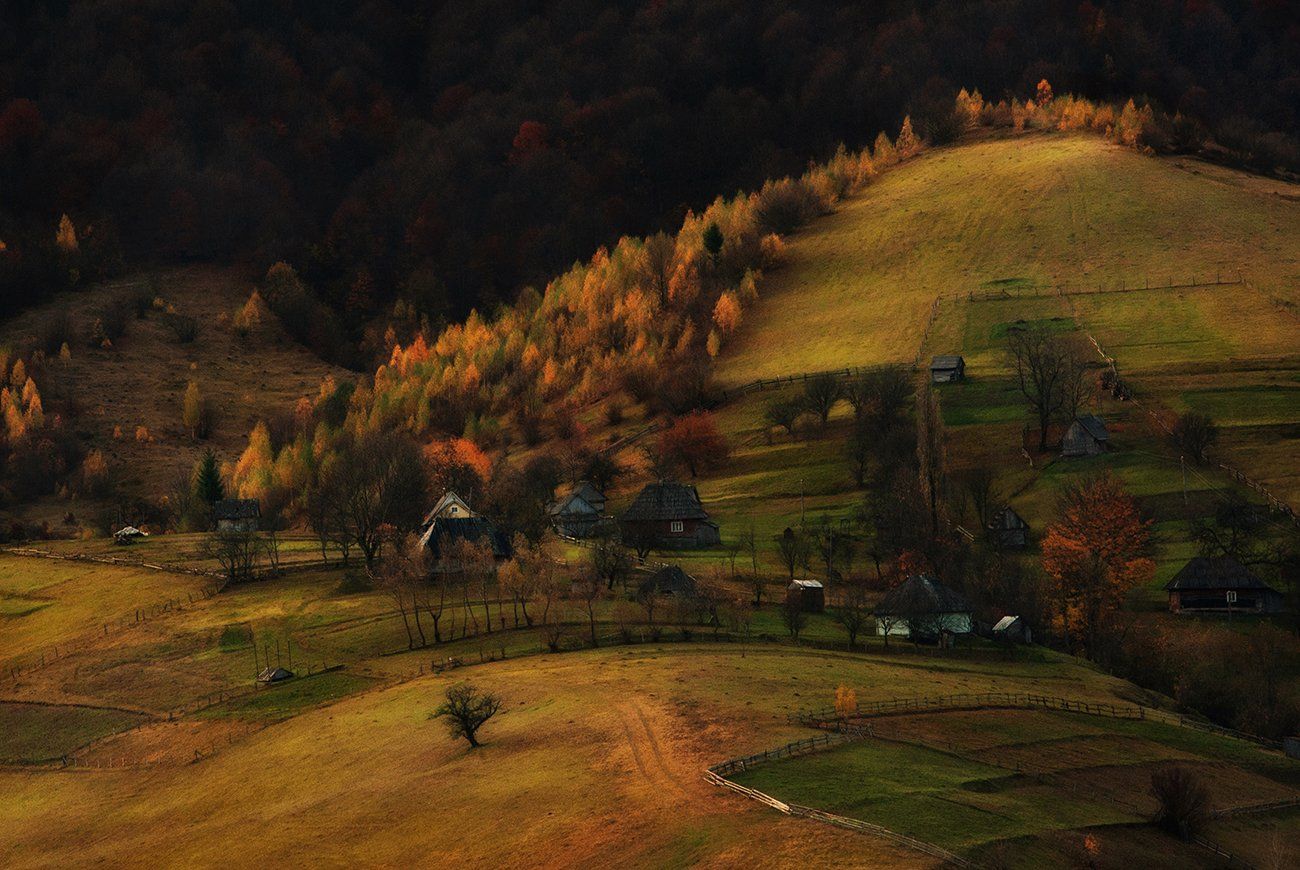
x: 832, y: 719
x: 717, y: 775
x: 1122, y: 285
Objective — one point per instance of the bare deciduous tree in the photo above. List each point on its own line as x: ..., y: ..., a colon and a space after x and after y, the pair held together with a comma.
x: 1049, y: 373
x: 466, y: 710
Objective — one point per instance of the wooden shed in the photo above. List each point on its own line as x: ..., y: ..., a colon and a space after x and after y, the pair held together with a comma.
x: 1086, y: 436
x: 669, y: 580
x: 811, y: 595
x: 947, y: 368
x: 1012, y: 629
x: 1009, y: 530
x: 237, y: 514
x: 922, y: 608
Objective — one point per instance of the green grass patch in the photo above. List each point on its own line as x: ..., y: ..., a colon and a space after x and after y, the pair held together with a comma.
x: 41, y: 732
x: 282, y: 700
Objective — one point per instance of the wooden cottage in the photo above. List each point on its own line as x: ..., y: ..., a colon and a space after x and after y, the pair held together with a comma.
x: 1009, y: 530
x: 924, y: 609
x: 669, y: 516
x: 1219, y: 584
x: 1086, y: 436
x: 579, y: 513
x: 237, y: 514
x: 669, y: 580
x: 810, y: 593
x: 947, y: 368
x: 445, y: 530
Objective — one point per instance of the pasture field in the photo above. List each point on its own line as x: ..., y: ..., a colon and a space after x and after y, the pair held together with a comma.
x: 1014, y: 780
x: 596, y: 751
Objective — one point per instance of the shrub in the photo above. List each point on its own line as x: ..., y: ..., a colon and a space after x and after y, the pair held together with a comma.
x: 1183, y: 801
x: 183, y: 327
x: 353, y: 583
x: 783, y: 206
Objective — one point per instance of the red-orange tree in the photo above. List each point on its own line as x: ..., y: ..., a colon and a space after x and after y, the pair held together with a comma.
x: 694, y: 441
x: 1094, y: 554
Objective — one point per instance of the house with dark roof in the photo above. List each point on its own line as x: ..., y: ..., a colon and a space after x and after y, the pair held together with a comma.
x: 577, y: 514
x: 1009, y: 530
x: 922, y: 608
x: 1086, y: 436
x: 443, y: 531
x: 237, y: 514
x: 668, y: 516
x: 1219, y: 584
x: 947, y: 368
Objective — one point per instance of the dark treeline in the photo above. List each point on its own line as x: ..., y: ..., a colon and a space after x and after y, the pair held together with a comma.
x: 451, y: 153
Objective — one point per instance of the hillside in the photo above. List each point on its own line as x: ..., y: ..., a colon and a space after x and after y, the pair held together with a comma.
x: 1028, y: 212
x: 141, y: 380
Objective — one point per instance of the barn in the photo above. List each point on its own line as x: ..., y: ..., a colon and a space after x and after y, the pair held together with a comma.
x: 668, y: 580
x: 811, y: 595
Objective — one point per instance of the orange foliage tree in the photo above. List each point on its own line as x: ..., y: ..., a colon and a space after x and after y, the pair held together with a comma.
x: 694, y: 441
x: 1094, y: 553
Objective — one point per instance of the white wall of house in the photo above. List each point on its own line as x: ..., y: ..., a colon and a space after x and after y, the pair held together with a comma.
x: 957, y: 623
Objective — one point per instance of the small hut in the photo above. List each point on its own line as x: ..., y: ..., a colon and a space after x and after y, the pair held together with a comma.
x: 1009, y: 530
x: 811, y: 595
x: 575, y: 516
x: 274, y: 675
x: 947, y: 368
x: 1012, y: 629
x: 1086, y: 436
x: 669, y: 580
x: 128, y: 534
x: 237, y: 514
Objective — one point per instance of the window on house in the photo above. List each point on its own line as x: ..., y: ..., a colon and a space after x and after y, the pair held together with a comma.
x: 677, y: 525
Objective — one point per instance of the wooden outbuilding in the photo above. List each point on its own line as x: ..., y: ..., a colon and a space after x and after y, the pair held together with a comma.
x: 1086, y: 436
x: 1009, y: 530
x: 811, y: 595
x: 1012, y: 629
x: 669, y: 516
x: 669, y: 580
x: 578, y: 514
x: 924, y: 609
x: 947, y: 368
x: 237, y: 514
x: 1220, y: 584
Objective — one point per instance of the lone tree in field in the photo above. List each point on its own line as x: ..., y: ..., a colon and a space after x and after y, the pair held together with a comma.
x: 1049, y: 373
x: 1194, y: 434
x: 1183, y: 801
x: 783, y: 414
x: 1094, y: 554
x: 820, y: 394
x: 466, y: 710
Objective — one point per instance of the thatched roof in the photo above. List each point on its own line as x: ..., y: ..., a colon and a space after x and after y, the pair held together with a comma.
x: 1221, y: 572
x: 237, y: 509
x: 919, y: 594
x: 666, y: 501
x: 669, y: 579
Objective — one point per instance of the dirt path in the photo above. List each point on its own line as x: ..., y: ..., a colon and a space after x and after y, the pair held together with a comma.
x: 647, y: 753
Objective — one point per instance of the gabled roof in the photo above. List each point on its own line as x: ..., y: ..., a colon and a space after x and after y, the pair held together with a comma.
x: 589, y: 493
x: 1007, y: 518
x: 1006, y: 622
x: 572, y: 505
x: 805, y: 584
x: 1220, y: 572
x: 666, y: 501
x: 921, y: 593
x: 1094, y: 426
x: 669, y: 578
x: 944, y: 362
x: 448, y: 498
x: 473, y: 529
x: 237, y: 509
